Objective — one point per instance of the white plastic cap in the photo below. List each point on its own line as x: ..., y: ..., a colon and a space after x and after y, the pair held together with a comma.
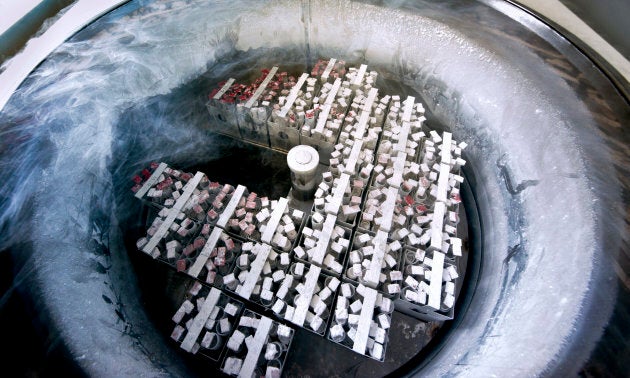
x: 303, y: 160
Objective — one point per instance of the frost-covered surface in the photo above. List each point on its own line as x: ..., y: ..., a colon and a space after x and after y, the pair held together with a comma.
x: 512, y: 117
x: 126, y: 91
x: 58, y: 137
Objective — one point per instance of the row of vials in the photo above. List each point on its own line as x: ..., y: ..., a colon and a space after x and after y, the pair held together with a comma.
x: 243, y: 343
x: 282, y: 111
x: 403, y: 196
x: 260, y: 273
x: 207, y: 246
x: 270, y: 276
x: 383, y: 223
x: 257, y: 271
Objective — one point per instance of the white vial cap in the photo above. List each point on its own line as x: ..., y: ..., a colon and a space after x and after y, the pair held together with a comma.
x: 303, y: 160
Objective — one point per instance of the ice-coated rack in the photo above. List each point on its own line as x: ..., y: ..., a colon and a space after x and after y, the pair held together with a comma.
x: 257, y: 347
x: 204, y: 321
x: 381, y: 233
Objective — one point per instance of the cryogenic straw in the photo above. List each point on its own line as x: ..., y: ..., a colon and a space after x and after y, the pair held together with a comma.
x: 330, y: 98
x: 255, y: 347
x: 304, y: 300
x: 256, y: 268
x: 437, y: 222
x: 200, y: 262
x: 323, y: 116
x: 173, y: 213
x: 388, y: 209
x: 276, y: 215
x: 365, y: 321
x: 399, y: 168
x: 408, y: 109
x: 151, y: 181
x: 435, y: 286
x: 293, y: 95
x: 329, y: 67
x: 319, y: 251
x: 359, y: 78
x: 231, y: 206
x: 443, y: 182
x: 367, y: 107
x: 403, y: 135
x: 365, y: 115
x: 373, y: 273
x: 349, y: 166
x: 223, y: 89
x: 321, y: 121
x: 201, y: 319
x: 446, y: 148
x: 261, y: 88
x: 337, y: 196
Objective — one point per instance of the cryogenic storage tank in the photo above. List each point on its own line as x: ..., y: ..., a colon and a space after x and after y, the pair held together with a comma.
x: 100, y: 93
